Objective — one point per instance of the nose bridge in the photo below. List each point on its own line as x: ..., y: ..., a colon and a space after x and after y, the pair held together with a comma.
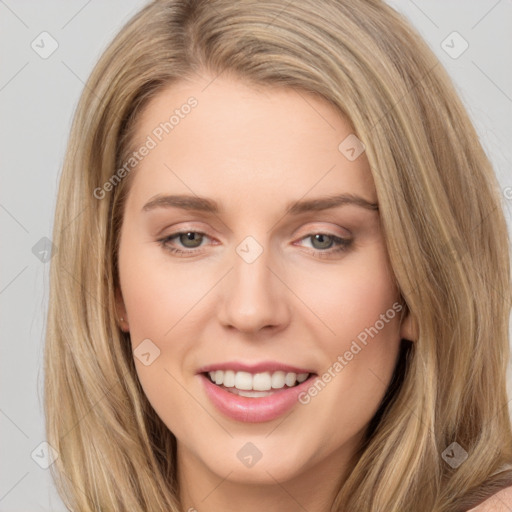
x: 253, y: 296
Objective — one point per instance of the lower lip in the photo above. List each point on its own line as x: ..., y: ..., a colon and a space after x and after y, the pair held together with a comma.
x: 254, y: 410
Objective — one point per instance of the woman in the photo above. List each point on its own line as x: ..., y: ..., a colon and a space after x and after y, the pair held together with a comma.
x: 285, y: 280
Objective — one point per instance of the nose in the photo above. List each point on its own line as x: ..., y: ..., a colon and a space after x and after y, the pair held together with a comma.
x: 254, y: 296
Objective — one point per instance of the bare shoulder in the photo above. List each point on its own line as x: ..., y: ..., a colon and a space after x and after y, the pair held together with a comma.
x: 499, y: 502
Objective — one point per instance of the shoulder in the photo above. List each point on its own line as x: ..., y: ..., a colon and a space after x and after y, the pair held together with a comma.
x: 499, y: 502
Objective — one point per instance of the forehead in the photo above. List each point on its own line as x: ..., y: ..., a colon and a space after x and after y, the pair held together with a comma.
x: 238, y: 139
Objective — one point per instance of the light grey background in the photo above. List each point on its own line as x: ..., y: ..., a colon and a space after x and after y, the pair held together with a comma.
x: 37, y: 101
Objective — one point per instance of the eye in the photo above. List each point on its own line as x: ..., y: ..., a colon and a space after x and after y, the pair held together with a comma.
x: 325, y: 244
x: 189, y: 239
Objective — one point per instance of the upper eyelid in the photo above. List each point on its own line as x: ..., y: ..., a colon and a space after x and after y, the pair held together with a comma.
x: 312, y: 230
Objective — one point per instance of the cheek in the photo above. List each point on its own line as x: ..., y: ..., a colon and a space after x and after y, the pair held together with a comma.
x: 353, y: 298
x: 156, y: 300
x: 156, y: 295
x: 361, y: 345
x: 162, y: 302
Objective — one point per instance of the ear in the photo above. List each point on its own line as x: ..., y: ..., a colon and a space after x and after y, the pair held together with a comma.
x: 408, y: 326
x: 122, y: 316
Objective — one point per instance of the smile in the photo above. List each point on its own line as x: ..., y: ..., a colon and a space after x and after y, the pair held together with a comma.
x: 254, y: 396
x: 255, y: 385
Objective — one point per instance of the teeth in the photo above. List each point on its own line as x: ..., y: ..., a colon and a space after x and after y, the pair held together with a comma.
x: 229, y: 379
x: 278, y: 379
x: 243, y: 380
x: 301, y: 377
x: 265, y: 381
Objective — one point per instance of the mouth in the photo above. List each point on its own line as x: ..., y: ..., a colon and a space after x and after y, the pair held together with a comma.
x: 256, y: 385
x: 265, y: 393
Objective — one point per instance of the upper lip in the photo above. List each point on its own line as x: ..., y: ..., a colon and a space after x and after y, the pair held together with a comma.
x: 263, y: 366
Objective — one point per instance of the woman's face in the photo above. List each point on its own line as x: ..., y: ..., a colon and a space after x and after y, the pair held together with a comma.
x: 260, y: 289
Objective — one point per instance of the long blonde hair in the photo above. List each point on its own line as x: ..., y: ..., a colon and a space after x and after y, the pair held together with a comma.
x: 443, y: 224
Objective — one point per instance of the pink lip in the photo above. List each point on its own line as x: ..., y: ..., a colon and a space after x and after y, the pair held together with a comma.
x: 264, y: 366
x: 254, y: 410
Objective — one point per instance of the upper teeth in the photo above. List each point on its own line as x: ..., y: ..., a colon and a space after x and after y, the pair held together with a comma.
x: 257, y: 382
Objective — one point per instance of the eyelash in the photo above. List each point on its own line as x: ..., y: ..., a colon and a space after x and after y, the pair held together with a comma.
x: 343, y: 244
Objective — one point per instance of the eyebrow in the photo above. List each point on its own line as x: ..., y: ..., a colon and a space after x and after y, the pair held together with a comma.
x: 203, y: 204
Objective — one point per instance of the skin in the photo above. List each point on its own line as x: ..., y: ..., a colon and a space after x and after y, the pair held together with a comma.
x: 254, y: 151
